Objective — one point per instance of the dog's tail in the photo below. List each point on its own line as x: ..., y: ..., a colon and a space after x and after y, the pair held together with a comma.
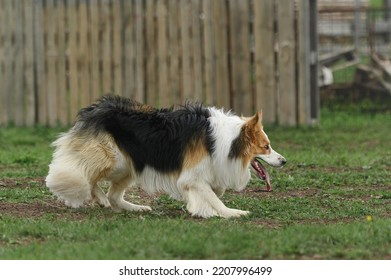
x: 66, y: 179
x: 68, y: 185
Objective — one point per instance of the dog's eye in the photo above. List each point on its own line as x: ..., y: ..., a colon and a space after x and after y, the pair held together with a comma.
x: 266, y: 147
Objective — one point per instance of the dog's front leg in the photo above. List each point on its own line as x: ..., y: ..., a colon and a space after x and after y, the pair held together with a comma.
x: 203, y: 202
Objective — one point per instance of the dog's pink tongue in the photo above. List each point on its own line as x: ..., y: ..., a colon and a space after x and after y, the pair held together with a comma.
x: 266, y: 177
x: 262, y: 173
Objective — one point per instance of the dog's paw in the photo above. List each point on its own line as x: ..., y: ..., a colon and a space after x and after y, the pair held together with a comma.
x: 138, y: 208
x: 143, y: 208
x: 103, y: 203
x: 233, y: 213
x: 124, y: 205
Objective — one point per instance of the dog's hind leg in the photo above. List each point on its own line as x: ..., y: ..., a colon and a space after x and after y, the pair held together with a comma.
x: 100, y: 196
x: 116, y: 197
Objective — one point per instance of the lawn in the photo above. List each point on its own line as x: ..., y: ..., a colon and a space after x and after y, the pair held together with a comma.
x: 331, y: 201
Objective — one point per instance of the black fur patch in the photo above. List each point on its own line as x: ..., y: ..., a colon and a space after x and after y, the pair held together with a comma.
x: 152, y: 137
x: 236, y: 147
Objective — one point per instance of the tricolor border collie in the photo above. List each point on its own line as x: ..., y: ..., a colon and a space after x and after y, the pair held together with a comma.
x: 193, y: 153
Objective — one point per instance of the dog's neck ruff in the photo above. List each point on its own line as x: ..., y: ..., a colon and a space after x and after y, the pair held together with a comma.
x: 225, y: 128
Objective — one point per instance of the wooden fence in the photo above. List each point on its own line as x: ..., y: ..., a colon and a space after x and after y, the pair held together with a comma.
x: 57, y: 56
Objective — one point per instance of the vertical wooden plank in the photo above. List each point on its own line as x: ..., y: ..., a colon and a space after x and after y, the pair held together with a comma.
x: 187, y: 73
x: 94, y: 46
x: 163, y: 89
x: 3, y: 43
x: 196, y: 48
x: 117, y: 47
x: 84, y: 55
x: 240, y: 56
x: 7, y: 53
x: 151, y: 88
x: 51, y: 18
x: 140, y: 66
x: 209, y: 77
x: 9, y: 59
x: 106, y: 17
x: 174, y: 72
x: 28, y: 53
x: 73, y: 72
x: 129, y: 50
x: 314, y: 87
x: 221, y: 53
x: 286, y: 63
x: 18, y: 108
x: 40, y: 62
x: 303, y: 62
x: 62, y: 100
x: 265, y: 68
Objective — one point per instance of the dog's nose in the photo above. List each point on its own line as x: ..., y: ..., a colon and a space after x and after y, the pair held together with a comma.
x: 283, y: 161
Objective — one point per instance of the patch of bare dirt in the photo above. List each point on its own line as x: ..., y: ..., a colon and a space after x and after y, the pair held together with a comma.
x: 256, y: 192
x: 39, y: 209
x: 22, y: 182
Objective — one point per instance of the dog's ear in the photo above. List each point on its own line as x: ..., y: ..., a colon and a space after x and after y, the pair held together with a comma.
x: 256, y: 119
x: 259, y: 113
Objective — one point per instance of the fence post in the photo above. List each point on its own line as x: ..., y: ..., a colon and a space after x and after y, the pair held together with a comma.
x: 187, y: 73
x: 196, y: 49
x: 356, y: 29
x: 7, y: 56
x: 84, y: 56
x: 387, y: 6
x: 62, y: 94
x: 220, y: 30
x: 140, y: 67
x: 29, y: 64
x: 51, y: 17
x: 3, y: 100
x: 94, y: 26
x: 239, y: 14
x: 209, y: 76
x: 18, y: 93
x: 313, y: 32
x: 117, y: 47
x: 265, y: 68
x: 72, y: 50
x: 287, y: 107
x: 163, y: 47
x: 304, y: 63
x: 40, y: 77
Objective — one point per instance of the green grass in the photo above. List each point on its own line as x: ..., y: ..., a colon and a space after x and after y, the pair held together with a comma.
x: 346, y: 75
x: 376, y: 3
x: 331, y: 201
x: 153, y: 238
x: 25, y: 152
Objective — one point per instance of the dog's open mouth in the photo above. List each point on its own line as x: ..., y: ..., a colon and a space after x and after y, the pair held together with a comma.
x: 261, y: 172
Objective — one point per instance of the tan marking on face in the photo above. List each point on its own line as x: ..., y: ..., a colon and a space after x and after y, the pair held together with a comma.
x: 194, y: 154
x: 255, y: 138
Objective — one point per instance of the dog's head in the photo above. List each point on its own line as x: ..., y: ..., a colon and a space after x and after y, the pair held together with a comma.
x: 259, y: 148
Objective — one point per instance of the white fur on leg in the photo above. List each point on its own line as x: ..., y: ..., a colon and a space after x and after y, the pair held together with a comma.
x: 116, y: 198
x: 100, y: 196
x: 68, y: 184
x: 203, y: 202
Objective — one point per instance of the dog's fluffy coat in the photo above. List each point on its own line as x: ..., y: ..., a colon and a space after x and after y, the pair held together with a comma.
x: 193, y: 153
